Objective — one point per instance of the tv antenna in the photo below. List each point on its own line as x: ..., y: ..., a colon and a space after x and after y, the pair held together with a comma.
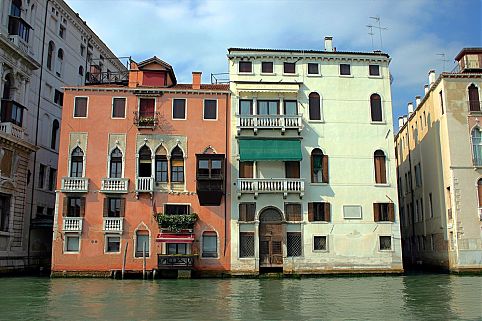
x: 379, y: 27
x: 442, y: 57
x: 370, y: 32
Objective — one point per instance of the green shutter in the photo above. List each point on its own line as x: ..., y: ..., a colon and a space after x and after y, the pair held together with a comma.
x: 269, y: 150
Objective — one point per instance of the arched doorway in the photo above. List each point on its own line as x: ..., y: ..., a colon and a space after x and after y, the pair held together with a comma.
x: 270, y: 239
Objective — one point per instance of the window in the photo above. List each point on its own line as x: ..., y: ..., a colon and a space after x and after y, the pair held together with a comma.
x: 145, y: 161
x: 245, y: 107
x: 292, y: 169
x: 293, y: 244
x: 290, y: 107
x: 59, y: 97
x: 112, y: 244
x: 441, y: 102
x: 477, y: 146
x: 176, y: 209
x: 41, y: 175
x: 431, y: 204
x: 6, y: 162
x: 179, y: 109
x: 81, y: 70
x: 72, y: 243
x: 383, y: 212
x: 245, y: 66
x: 60, y: 62
x: 77, y: 163
x: 161, y: 169
x: 82, y: 50
x: 314, y: 106
x: 177, y: 165
x: 74, y: 206
x: 52, y: 179
x: 289, y: 67
x: 118, y: 108
x: 4, y: 212
x: 313, y: 69
x: 50, y: 55
x: 115, y: 168
x: 80, y: 107
x: 479, y: 194
x: 146, y: 107
x: 268, y: 107
x: 247, y: 212
x: 474, y: 102
x: 319, y: 212
x: 345, y: 70
x: 114, y: 207
x: 293, y: 212
x: 142, y: 244
x: 62, y: 31
x: 267, y: 67
x: 16, y: 8
x: 210, y: 244
x: 385, y: 243
x: 210, y: 109
x: 55, y: 131
x: 376, y: 107
x: 319, y: 167
x: 246, y: 169
x: 418, y: 175
x: 352, y: 212
x: 177, y: 248
x: 380, y: 167
x: 374, y: 70
x: 50, y: 211
x: 246, y: 244
x: 320, y: 243
x: 209, y: 168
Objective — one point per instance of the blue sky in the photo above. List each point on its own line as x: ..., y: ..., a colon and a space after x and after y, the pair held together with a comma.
x: 194, y: 35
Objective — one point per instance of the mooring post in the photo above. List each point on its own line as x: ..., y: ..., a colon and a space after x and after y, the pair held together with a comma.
x: 124, y: 260
x: 144, y: 260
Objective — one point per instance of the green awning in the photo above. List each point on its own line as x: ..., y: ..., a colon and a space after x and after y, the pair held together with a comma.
x: 269, y: 150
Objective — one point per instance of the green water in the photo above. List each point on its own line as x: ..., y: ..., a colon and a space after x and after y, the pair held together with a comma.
x: 415, y: 297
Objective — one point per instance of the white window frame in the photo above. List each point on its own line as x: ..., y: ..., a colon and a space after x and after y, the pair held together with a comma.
x: 352, y: 206
x: 379, y: 71
x: 392, y: 248
x: 308, y: 72
x: 86, y: 109
x: 217, y: 245
x: 66, y: 236
x: 266, y: 73
x: 185, y: 109
x: 383, y: 121
x: 106, y: 242
x: 290, y: 74
x: 125, y: 107
x: 244, y: 72
x: 204, y: 105
x: 135, y: 243
x: 327, y: 244
x: 350, y: 75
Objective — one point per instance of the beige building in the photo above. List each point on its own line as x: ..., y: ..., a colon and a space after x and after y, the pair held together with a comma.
x: 439, y: 155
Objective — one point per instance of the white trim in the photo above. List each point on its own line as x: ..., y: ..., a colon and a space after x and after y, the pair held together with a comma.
x: 246, y: 73
x: 188, y: 204
x: 141, y: 227
x: 109, y: 159
x: 350, y: 75
x: 185, y: 109
x: 204, y: 106
x: 86, y: 108
x: 392, y: 248
x: 379, y: 71
x: 383, y: 121
x: 66, y: 235
x: 307, y: 69
x: 105, y: 244
x: 313, y: 244
x: 125, y: 107
x: 266, y: 73
x: 201, y: 247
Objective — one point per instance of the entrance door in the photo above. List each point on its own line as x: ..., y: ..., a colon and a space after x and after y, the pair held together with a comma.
x: 270, y: 239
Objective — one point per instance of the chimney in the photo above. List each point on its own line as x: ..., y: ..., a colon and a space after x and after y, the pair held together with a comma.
x: 196, y: 79
x: 328, y: 43
x: 405, y: 119
x: 431, y: 77
x: 425, y: 88
x: 410, y: 109
x: 417, y: 100
x: 400, y: 122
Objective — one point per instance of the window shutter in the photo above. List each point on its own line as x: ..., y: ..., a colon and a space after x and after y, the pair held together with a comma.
x: 311, y: 214
x: 106, y: 207
x: 327, y: 212
x: 391, y: 212
x: 383, y: 170
x: 65, y: 206
x: 312, y: 169
x: 123, y: 207
x: 242, y: 212
x: 82, y: 206
x: 325, y: 178
x: 376, y: 212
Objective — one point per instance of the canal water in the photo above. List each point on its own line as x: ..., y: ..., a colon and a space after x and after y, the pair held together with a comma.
x: 412, y: 297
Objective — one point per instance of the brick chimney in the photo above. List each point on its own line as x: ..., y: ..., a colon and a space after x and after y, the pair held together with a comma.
x: 196, y: 79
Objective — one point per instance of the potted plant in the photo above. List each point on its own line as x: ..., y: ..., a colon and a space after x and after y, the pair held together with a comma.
x: 177, y: 223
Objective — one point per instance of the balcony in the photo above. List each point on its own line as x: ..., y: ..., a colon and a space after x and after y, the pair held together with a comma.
x: 144, y: 185
x: 114, y: 185
x: 175, y: 261
x: 19, y: 42
x: 113, y: 225
x: 109, y: 77
x: 12, y: 129
x: 72, y: 224
x: 19, y: 31
x: 146, y: 121
x: 282, y: 122
x: 283, y: 186
x: 74, y: 185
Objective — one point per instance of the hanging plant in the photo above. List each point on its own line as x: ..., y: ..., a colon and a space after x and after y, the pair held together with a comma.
x: 176, y: 223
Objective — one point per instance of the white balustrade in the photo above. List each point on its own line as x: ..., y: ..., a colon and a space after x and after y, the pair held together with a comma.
x: 75, y: 184
x: 271, y: 185
x: 72, y: 224
x: 114, y: 185
x: 113, y: 224
x: 282, y: 122
x: 144, y: 184
x: 19, y: 42
x: 12, y: 129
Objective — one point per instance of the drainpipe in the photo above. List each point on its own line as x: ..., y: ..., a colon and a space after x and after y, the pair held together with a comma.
x: 36, y: 133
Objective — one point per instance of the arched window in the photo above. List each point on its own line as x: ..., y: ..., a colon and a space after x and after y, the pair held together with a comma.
x: 477, y: 146
x: 55, y: 130
x: 77, y: 163
x: 161, y: 165
x: 177, y: 165
x: 81, y: 70
x: 380, y: 167
x: 7, y: 86
x: 319, y: 167
x: 115, y: 169
x: 142, y: 243
x: 145, y: 162
x: 210, y: 244
x: 314, y: 106
x: 50, y: 55
x: 376, y: 107
x: 60, y: 62
x: 474, y: 102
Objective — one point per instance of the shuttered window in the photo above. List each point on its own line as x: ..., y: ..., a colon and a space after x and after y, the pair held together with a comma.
x: 292, y: 169
x: 474, y: 102
x: 146, y: 107
x: 114, y: 207
x: 210, y: 109
x: 319, y: 212
x: 247, y: 212
x: 118, y: 108
x: 383, y: 212
x: 319, y: 167
x: 293, y: 212
x: 179, y: 109
x: 74, y: 207
x: 245, y: 169
x: 380, y: 167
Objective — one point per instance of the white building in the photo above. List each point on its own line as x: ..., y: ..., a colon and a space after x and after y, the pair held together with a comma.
x: 44, y: 45
x: 314, y: 184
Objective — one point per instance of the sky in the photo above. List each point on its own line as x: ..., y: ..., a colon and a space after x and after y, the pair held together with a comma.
x: 193, y: 35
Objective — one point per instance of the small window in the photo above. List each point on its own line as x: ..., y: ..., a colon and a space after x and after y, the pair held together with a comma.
x: 176, y: 209
x: 245, y: 107
x: 177, y: 165
x: 385, y: 243
x: 352, y: 212
x: 114, y: 207
x: 376, y: 108
x: 314, y: 106
x: 210, y: 245
x: 54, y: 134
x: 72, y: 243
x: 52, y: 179
x: 82, y: 50
x: 345, y: 70
x: 441, y: 102
x: 292, y: 169
x: 319, y: 212
x: 374, y: 70
x: 80, y: 107
x: 41, y: 175
x: 62, y: 31
x: 210, y: 109
x: 177, y: 248
x: 77, y: 163
x: 4, y: 212
x: 293, y: 244
x: 247, y: 212
x: 142, y: 244
x: 50, y: 55
x: 81, y: 70
x: 383, y: 212
x: 115, y: 170
x: 320, y: 243
x: 147, y: 107
x: 268, y: 107
x: 162, y: 171
x: 313, y: 69
x: 74, y: 206
x: 118, y: 108
x: 289, y: 67
x: 245, y: 66
x: 246, y: 169
x: 112, y: 244
x: 59, y: 97
x: 246, y: 244
x: 179, y: 109
x: 209, y: 168
x: 474, y: 102
x: 319, y: 167
x: 293, y: 212
x: 267, y: 67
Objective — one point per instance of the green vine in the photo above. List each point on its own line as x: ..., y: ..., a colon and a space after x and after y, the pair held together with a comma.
x: 177, y: 223
x: 147, y: 120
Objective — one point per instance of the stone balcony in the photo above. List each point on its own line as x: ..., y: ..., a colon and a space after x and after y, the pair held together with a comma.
x: 280, y: 122
x: 283, y: 186
x: 144, y: 185
x: 72, y: 224
x: 12, y: 129
x: 114, y: 185
x: 113, y: 225
x: 74, y: 185
x: 20, y: 43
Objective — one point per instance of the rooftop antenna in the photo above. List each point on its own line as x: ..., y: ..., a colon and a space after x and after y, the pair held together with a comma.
x: 371, y: 34
x: 380, y: 28
x: 442, y: 56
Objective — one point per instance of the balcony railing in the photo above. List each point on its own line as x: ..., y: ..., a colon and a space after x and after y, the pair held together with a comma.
x: 109, y: 77
x: 114, y: 185
x: 282, y: 122
x: 144, y: 184
x: 113, y: 224
x: 271, y: 185
x: 175, y: 261
x: 19, y: 42
x: 72, y: 224
x: 12, y: 129
x: 146, y: 121
x: 75, y: 184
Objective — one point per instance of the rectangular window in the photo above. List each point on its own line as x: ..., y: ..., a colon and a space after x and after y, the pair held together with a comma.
x: 431, y: 205
x: 247, y: 212
x: 267, y: 67
x: 268, y: 107
x: 118, y: 108
x: 176, y: 209
x: 80, y: 107
x: 291, y: 107
x: 82, y: 50
x: 293, y: 244
x: 246, y: 244
x: 112, y: 244
x: 179, y: 109
x: 292, y: 169
x: 319, y: 212
x: 441, y: 102
x: 72, y: 243
x: 4, y: 212
x: 74, y: 206
x: 245, y: 66
x: 142, y: 243
x: 41, y: 176
x: 289, y: 67
x: 177, y: 170
x: 352, y: 212
x: 210, y: 244
x: 147, y: 107
x: 320, y: 243
x: 209, y: 168
x: 161, y: 169
x: 114, y: 207
x: 210, y: 109
x: 374, y: 70
x: 385, y: 243
x: 345, y: 69
x: 52, y: 179
x: 40, y: 210
x: 6, y: 163
x: 245, y: 107
x: 383, y: 212
x: 62, y: 32
x: 59, y: 97
x: 293, y: 212
x: 177, y: 248
x: 246, y: 169
x: 313, y: 69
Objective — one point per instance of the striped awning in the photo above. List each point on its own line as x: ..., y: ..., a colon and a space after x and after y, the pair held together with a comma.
x: 175, y: 238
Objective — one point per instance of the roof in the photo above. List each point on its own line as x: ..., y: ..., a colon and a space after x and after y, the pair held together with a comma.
x: 302, y: 51
x: 465, y: 51
x: 210, y: 87
x: 155, y: 60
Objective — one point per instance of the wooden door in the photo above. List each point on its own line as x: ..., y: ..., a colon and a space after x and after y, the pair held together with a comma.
x: 270, y: 239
